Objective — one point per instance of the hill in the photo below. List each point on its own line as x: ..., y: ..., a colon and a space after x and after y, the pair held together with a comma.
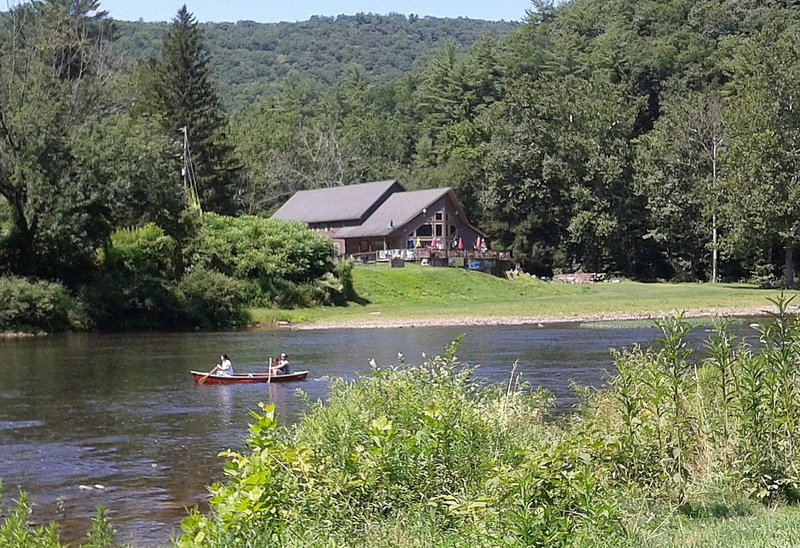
x: 252, y: 59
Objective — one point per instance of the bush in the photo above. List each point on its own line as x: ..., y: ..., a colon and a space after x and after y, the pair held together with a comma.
x: 16, y: 529
x: 288, y: 264
x: 425, y: 443
x: 120, y: 302
x: 422, y: 455
x: 31, y: 306
x: 252, y: 248
x: 211, y: 299
x: 144, y: 251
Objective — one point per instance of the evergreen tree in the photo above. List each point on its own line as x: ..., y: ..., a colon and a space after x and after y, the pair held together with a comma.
x: 185, y: 96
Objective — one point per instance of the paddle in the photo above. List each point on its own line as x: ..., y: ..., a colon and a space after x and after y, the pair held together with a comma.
x: 269, y: 371
x: 201, y: 380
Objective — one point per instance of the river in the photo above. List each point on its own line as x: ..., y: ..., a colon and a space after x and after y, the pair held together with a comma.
x: 91, y: 420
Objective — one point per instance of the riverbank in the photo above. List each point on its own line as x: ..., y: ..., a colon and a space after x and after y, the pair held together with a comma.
x: 532, y: 320
x: 664, y: 455
x: 421, y: 297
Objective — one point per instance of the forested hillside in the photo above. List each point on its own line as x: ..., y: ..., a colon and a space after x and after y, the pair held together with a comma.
x: 251, y: 59
x: 650, y: 139
x: 654, y: 139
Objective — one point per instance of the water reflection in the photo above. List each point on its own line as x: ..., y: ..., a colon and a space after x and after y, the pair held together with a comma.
x: 121, y: 411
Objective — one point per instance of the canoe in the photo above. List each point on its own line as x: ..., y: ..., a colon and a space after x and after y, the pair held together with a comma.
x: 247, y: 378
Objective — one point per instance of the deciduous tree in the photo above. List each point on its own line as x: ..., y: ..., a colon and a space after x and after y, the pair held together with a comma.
x: 52, y: 75
x: 764, y: 114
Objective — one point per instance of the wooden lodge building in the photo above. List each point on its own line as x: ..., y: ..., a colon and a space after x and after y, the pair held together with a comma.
x: 382, y: 218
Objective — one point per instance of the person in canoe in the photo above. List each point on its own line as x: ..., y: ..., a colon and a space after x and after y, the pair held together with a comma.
x: 281, y: 365
x: 224, y: 367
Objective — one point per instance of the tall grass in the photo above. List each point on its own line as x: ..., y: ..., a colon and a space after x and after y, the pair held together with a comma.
x: 17, y: 531
x: 424, y: 444
x: 420, y: 455
x: 425, y: 455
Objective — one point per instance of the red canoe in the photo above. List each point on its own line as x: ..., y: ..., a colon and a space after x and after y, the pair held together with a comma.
x: 246, y: 378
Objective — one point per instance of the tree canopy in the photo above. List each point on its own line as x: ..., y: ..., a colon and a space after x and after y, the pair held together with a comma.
x: 655, y: 140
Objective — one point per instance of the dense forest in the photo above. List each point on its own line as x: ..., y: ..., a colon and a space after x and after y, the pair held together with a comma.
x: 647, y: 139
x: 251, y: 59
x: 656, y: 140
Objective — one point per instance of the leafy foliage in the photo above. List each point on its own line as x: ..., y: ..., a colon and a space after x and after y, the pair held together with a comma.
x: 32, y: 306
x: 146, y: 251
x: 14, y: 530
x: 211, y: 299
x: 286, y: 263
x: 412, y: 449
x: 407, y: 437
x: 49, y: 88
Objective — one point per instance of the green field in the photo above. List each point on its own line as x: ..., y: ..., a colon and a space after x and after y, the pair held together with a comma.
x: 769, y: 528
x: 442, y: 294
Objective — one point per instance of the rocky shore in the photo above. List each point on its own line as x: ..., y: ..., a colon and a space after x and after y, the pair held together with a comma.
x: 378, y: 323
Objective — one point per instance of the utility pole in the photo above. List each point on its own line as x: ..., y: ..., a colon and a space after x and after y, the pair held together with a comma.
x: 187, y: 173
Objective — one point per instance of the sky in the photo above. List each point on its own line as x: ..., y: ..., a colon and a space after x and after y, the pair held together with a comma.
x: 265, y: 11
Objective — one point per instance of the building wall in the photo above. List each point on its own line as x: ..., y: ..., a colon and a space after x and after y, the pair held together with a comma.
x: 441, y: 224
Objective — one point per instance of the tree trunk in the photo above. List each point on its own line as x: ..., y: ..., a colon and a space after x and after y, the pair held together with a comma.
x: 714, y: 250
x: 788, y: 268
x: 20, y: 240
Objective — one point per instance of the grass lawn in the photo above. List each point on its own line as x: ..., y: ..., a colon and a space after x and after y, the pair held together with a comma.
x: 424, y: 293
x: 767, y: 529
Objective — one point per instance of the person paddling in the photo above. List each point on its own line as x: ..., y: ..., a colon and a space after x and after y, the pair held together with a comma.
x: 224, y: 367
x: 281, y: 365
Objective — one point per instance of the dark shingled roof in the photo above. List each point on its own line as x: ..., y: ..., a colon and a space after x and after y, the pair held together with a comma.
x: 335, y: 204
x: 395, y: 212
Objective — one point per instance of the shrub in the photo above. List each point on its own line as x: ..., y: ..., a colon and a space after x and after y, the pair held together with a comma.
x: 120, y: 302
x: 144, y: 251
x: 254, y: 248
x: 32, y: 306
x: 211, y: 299
x: 289, y: 264
x: 15, y: 531
x: 424, y: 441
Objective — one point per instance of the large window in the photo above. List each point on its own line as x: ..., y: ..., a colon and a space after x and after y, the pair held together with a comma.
x: 439, y: 230
x: 425, y: 231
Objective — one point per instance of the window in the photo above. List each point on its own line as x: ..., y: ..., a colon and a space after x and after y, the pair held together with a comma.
x: 439, y: 215
x: 439, y: 230
x: 453, y: 230
x: 425, y: 231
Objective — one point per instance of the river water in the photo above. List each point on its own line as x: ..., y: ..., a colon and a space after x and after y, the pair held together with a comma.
x: 91, y: 420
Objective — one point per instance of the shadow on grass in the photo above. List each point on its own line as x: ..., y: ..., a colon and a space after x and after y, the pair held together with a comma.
x: 717, y: 509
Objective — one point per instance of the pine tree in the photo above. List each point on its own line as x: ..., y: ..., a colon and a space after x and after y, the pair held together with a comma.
x: 185, y: 96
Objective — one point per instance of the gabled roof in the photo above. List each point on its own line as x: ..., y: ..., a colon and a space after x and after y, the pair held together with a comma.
x: 396, y: 211
x: 337, y: 204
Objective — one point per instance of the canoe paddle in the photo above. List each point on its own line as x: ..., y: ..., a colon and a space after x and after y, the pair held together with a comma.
x: 201, y: 380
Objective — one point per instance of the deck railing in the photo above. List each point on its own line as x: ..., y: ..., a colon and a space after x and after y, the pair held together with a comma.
x: 371, y: 257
